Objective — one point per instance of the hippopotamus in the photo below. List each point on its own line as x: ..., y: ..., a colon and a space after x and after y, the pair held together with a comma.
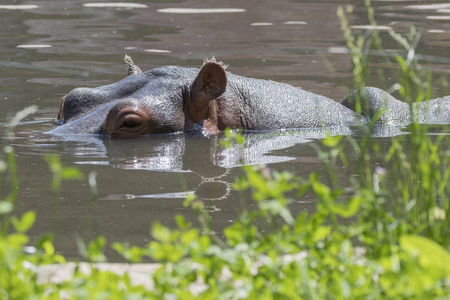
x: 210, y: 99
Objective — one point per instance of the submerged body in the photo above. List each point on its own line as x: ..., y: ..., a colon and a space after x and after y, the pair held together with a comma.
x: 384, y: 109
x: 172, y: 99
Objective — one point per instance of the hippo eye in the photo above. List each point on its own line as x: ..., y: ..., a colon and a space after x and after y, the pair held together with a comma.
x: 128, y: 121
x: 130, y: 124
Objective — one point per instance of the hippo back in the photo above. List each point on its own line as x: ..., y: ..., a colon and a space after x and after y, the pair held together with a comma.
x: 382, y: 108
x: 264, y: 105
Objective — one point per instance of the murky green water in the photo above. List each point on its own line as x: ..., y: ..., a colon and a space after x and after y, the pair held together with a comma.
x: 50, y: 47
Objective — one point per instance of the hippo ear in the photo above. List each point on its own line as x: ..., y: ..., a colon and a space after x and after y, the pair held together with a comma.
x: 210, y: 83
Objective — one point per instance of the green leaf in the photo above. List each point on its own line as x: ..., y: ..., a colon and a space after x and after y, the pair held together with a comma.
x: 189, y: 236
x: 204, y: 242
x: 48, y: 247
x: 95, y: 250
x: 72, y: 173
x: 321, y: 233
x: 300, y: 225
x: 25, y: 222
x: 302, y: 189
x: 160, y: 232
x: 331, y: 141
x: 42, y: 239
x: 258, y: 183
x: 348, y: 210
x: 321, y: 190
x: 240, y: 184
x: 53, y: 162
x: 235, y: 233
x: 286, y: 215
x: 17, y: 239
x: 181, y: 222
x: 133, y: 254
x: 431, y: 255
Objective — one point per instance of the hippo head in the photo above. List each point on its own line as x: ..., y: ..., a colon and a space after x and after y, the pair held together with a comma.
x: 162, y: 100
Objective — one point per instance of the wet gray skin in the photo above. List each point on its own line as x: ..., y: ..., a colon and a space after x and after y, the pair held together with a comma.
x: 383, y: 108
x: 173, y: 99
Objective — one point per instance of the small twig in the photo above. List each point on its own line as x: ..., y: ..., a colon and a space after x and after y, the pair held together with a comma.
x: 132, y: 68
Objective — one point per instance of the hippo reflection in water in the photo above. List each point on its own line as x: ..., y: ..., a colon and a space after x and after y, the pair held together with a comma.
x: 173, y: 99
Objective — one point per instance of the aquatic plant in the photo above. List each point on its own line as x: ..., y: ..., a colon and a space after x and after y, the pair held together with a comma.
x: 383, y: 235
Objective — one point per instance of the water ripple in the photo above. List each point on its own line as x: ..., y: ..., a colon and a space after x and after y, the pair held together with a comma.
x: 200, y: 10
x: 116, y: 5
x: 13, y: 7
